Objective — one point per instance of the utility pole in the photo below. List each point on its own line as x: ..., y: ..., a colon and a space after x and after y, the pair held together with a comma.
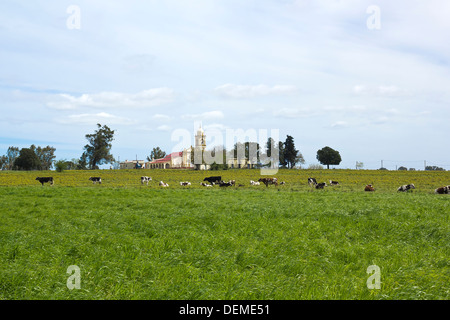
x: 425, y: 164
x: 382, y: 163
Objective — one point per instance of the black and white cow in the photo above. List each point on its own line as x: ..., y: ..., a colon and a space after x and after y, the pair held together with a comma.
x: 185, y: 183
x: 334, y: 183
x: 406, y: 188
x: 205, y: 184
x: 312, y: 182
x: 225, y: 184
x: 213, y: 179
x: 321, y: 185
x: 95, y: 180
x: 442, y: 190
x: 145, y: 179
x: 43, y: 180
x: 163, y: 184
x: 268, y: 181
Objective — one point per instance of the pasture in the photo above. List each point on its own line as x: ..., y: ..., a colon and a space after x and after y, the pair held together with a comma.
x: 289, y: 242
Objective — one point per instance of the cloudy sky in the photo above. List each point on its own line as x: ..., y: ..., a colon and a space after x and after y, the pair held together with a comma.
x: 370, y: 79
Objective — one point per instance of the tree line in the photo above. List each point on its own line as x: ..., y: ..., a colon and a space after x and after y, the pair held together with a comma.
x: 284, y: 152
x: 96, y: 152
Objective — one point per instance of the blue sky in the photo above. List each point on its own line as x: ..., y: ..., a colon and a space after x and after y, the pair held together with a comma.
x: 310, y: 69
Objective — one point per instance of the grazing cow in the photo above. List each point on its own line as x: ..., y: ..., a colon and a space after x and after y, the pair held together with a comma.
x: 43, y: 180
x: 185, y: 183
x: 162, y: 184
x: 233, y: 182
x: 282, y: 183
x: 225, y: 184
x: 334, y: 183
x: 268, y: 181
x: 442, y: 190
x: 312, y: 182
x: 205, y: 185
x: 406, y: 188
x: 321, y: 185
x: 369, y: 188
x: 254, y: 183
x: 145, y: 180
x: 95, y: 180
x: 213, y: 179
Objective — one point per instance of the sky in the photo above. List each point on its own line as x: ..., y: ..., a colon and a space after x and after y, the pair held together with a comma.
x: 370, y: 79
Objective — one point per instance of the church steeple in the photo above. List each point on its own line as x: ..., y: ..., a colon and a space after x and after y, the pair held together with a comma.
x: 200, y: 138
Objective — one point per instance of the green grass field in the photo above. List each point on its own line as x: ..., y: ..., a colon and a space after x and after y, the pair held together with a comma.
x: 288, y: 242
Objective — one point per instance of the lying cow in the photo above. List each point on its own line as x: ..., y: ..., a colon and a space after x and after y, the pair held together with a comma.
x: 145, y: 180
x: 321, y: 185
x: 268, y: 181
x: 43, y: 180
x: 225, y: 184
x: 95, y: 180
x: 254, y: 183
x: 213, y: 180
x: 369, y: 188
x: 205, y: 184
x: 334, y: 183
x: 162, y: 184
x: 312, y: 182
x: 186, y: 183
x: 442, y: 190
x: 406, y: 188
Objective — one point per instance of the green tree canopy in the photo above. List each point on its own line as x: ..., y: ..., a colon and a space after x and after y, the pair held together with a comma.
x: 46, y: 156
x: 291, y: 155
x: 156, y: 153
x: 97, y: 151
x: 27, y: 160
x: 328, y: 156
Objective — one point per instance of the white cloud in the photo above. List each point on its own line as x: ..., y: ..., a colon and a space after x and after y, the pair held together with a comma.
x: 248, y: 91
x: 292, y: 112
x: 94, y: 118
x: 339, y: 124
x: 161, y: 117
x: 146, y: 98
x: 163, y: 128
x: 210, y: 115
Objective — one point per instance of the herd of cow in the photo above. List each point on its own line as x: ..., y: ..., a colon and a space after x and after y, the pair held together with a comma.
x: 217, y: 180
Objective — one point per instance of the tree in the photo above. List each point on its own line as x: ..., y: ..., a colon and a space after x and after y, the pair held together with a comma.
x: 82, y: 163
x: 46, y: 156
x: 283, y: 162
x: 27, y: 160
x: 359, y: 165
x: 434, y: 168
x: 156, y: 153
x: 97, y: 151
x: 10, y: 157
x: 3, y: 162
x: 403, y: 168
x: 291, y: 155
x: 61, y: 165
x: 328, y: 156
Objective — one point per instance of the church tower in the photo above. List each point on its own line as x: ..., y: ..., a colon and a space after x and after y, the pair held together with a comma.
x: 200, y: 139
